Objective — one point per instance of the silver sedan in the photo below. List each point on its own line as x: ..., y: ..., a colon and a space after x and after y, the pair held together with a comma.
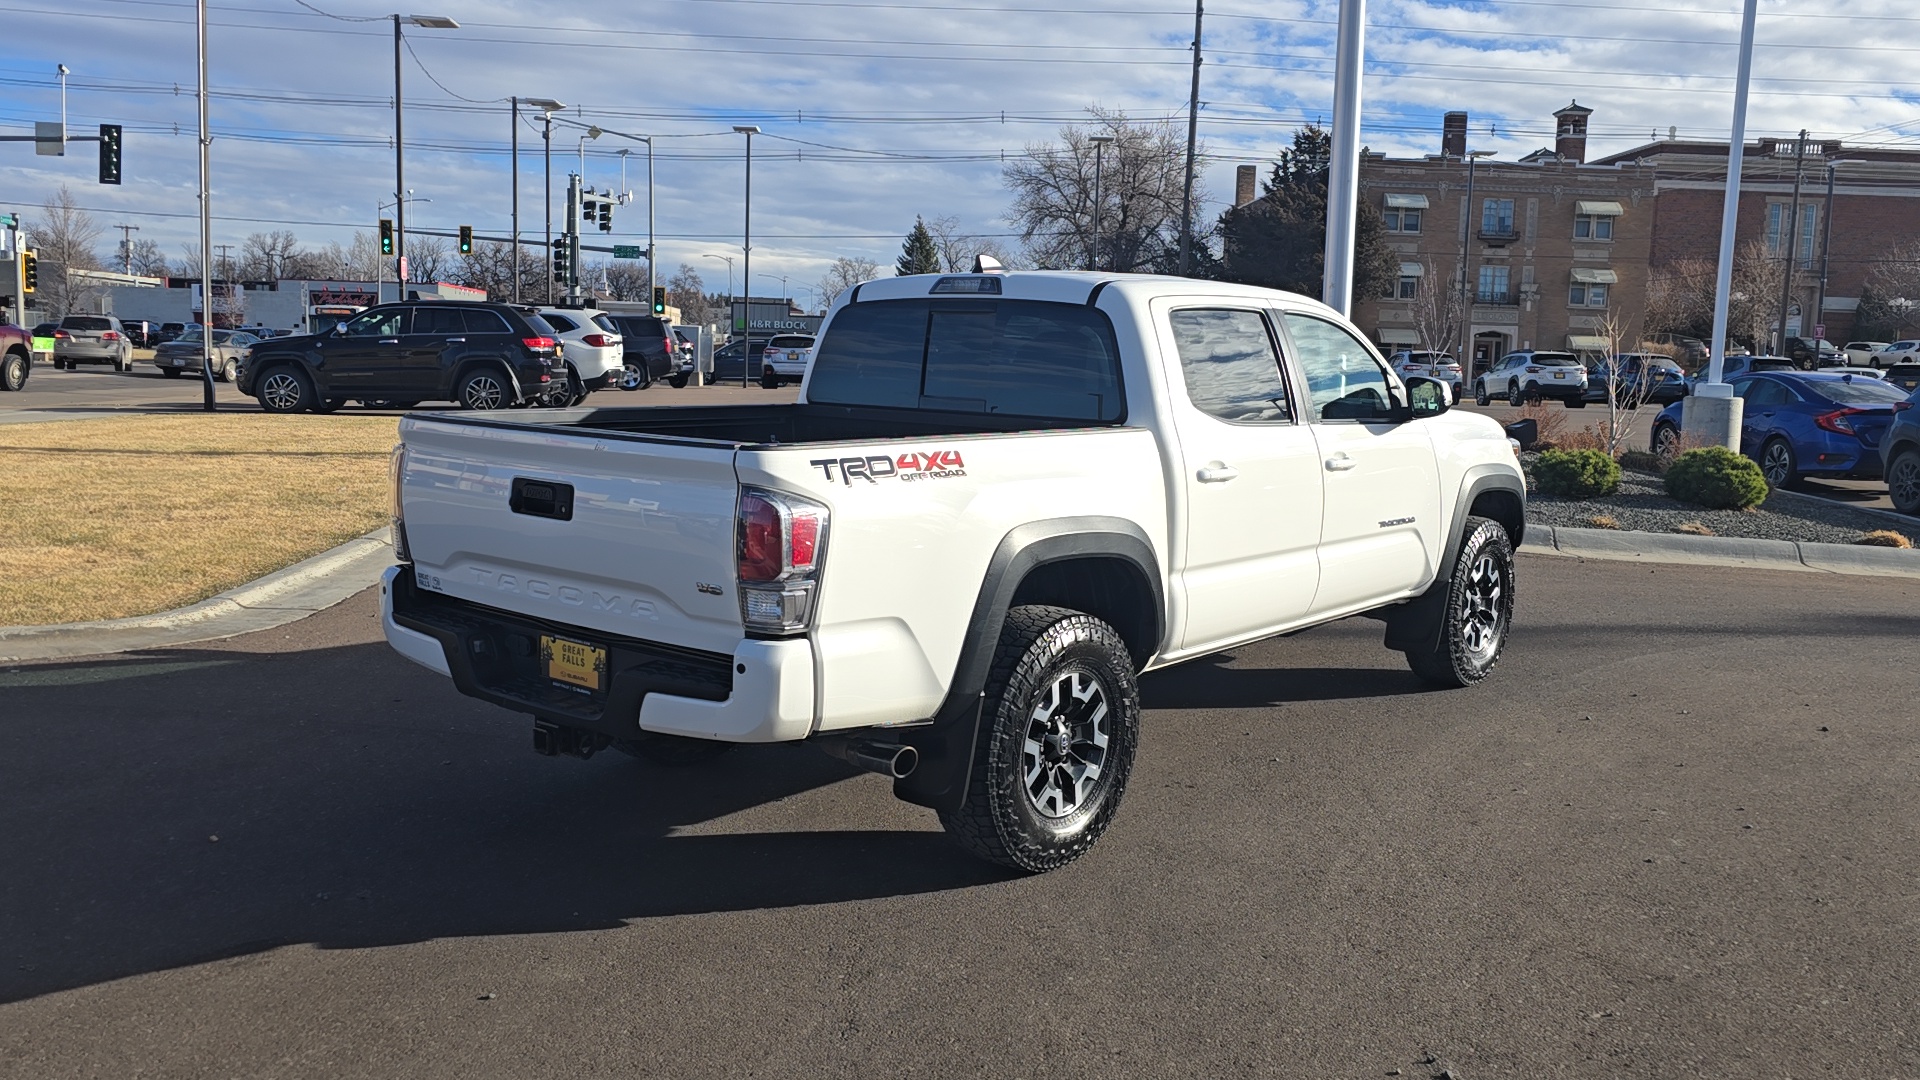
x: 182, y: 354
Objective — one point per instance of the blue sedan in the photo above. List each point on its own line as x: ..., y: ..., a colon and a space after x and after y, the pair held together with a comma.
x: 1801, y: 424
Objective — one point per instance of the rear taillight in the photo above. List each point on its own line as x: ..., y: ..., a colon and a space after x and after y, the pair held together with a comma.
x: 597, y: 341
x: 1533, y: 371
x: 108, y: 335
x: 780, y: 541
x: 1902, y: 406
x: 667, y: 344
x: 61, y: 334
x: 537, y: 343
x: 1837, y: 421
x: 397, y: 473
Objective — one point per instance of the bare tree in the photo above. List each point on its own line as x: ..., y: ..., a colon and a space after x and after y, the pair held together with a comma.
x: 1438, y: 309
x: 957, y: 248
x: 1680, y: 296
x: 844, y: 274
x: 264, y: 256
x: 1628, y: 381
x: 64, y: 239
x: 1890, y: 299
x: 147, y: 259
x: 626, y: 279
x: 491, y: 267
x: 1141, y: 172
x: 687, y: 291
x: 429, y: 258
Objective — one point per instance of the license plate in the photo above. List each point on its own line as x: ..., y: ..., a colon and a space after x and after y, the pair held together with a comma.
x: 179, y: 362
x: 574, y: 663
x: 1559, y: 374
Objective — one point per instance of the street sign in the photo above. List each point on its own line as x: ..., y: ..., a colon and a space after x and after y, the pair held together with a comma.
x: 8, y: 221
x: 629, y: 251
x: 1820, y: 331
x: 50, y: 138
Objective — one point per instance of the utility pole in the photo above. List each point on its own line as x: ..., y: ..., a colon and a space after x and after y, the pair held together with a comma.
x: 572, y: 234
x: 1193, y: 127
x: 1792, y: 224
x: 126, y: 246
x: 1826, y: 243
x: 226, y: 268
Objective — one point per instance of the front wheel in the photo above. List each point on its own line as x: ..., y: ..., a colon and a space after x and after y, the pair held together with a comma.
x: 1513, y: 395
x: 1480, y: 395
x: 1060, y: 720
x: 483, y: 389
x: 1666, y: 442
x: 229, y: 371
x: 1476, y: 612
x: 13, y: 371
x: 1777, y: 464
x: 1903, y: 481
x: 285, y: 390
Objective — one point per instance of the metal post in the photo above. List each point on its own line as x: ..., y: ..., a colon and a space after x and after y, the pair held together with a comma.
x: 546, y: 141
x: 1711, y: 411
x: 1193, y: 127
x: 1343, y: 173
x: 1826, y: 241
x: 652, y: 276
x: 516, y: 200
x: 1093, y: 249
x: 1466, y: 268
x: 1792, y: 225
x: 746, y: 257
x: 399, y: 173
x: 206, y: 221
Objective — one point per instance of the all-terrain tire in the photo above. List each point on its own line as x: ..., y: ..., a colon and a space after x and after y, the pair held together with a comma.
x: 673, y: 751
x: 1476, y: 613
x: 1059, y: 725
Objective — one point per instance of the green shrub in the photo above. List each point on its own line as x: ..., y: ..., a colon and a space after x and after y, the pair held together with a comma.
x: 1642, y: 461
x: 1576, y: 474
x: 1717, y: 478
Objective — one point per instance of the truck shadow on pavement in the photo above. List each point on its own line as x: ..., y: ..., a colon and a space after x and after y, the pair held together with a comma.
x: 171, y: 808
x: 1212, y: 682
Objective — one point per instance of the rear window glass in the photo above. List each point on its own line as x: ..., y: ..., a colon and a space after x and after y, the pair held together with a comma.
x: 560, y: 322
x: 1865, y: 390
x: 791, y: 341
x: 539, y: 326
x: 605, y: 323
x: 1547, y: 359
x: 1017, y: 357
x: 85, y: 322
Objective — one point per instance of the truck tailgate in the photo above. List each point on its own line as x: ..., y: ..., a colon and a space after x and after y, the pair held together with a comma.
x: 627, y: 536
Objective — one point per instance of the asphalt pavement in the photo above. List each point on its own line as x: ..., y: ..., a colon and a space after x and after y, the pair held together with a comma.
x: 1672, y: 836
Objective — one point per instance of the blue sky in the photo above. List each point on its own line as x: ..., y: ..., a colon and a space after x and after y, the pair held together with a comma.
x: 873, y: 112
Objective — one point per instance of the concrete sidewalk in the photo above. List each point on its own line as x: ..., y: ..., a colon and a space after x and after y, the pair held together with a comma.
x: 333, y: 576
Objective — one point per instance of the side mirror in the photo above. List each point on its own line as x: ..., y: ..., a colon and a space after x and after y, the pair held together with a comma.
x: 1427, y: 397
x: 339, y: 330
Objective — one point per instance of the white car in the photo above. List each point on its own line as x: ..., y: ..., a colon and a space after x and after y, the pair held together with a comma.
x: 1861, y: 352
x: 591, y: 345
x: 785, y: 359
x: 1532, y: 375
x: 1900, y: 352
x: 1428, y: 364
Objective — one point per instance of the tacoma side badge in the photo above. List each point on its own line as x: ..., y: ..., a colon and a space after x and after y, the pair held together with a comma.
x: 710, y: 590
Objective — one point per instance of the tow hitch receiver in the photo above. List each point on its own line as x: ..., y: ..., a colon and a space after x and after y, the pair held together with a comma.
x: 553, y: 739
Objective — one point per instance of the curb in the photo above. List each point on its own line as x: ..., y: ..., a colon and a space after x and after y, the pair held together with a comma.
x: 1814, y: 500
x: 279, y: 598
x: 1720, y: 551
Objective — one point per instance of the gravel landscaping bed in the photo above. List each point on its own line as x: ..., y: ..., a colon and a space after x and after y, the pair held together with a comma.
x: 1641, y: 503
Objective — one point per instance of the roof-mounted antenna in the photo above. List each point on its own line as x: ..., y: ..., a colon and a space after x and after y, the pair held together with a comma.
x: 986, y: 264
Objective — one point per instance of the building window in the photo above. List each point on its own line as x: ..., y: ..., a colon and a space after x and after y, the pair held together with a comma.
x: 1409, y: 287
x: 1587, y: 294
x: 1593, y: 227
x: 1402, y: 220
x: 1776, y: 239
x: 1496, y: 217
x: 1493, y: 282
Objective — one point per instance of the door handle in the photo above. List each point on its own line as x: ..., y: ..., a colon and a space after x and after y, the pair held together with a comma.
x: 389, y: 341
x: 1217, y: 473
x: 1340, y: 463
x: 460, y: 340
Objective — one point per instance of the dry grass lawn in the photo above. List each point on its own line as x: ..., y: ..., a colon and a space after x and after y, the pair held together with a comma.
x: 138, y: 514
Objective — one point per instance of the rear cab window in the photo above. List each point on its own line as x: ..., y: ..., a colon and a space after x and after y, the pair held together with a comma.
x: 1014, y: 357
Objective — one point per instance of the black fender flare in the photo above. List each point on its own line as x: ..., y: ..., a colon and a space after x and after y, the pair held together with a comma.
x: 946, y: 745
x: 1409, y: 624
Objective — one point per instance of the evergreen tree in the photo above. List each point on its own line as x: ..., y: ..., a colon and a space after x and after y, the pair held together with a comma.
x: 1279, y: 240
x: 918, y: 255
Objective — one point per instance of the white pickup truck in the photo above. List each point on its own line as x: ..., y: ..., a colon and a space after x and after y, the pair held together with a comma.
x: 1000, y: 498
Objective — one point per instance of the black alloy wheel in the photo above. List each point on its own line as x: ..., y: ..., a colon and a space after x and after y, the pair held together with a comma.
x: 1903, y: 481
x: 1475, y: 612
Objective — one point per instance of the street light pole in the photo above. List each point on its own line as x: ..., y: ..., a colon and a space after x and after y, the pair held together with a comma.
x: 545, y: 105
x: 1093, y: 250
x: 206, y: 219
x: 746, y: 253
x: 546, y: 152
x: 437, y: 22
x: 728, y: 259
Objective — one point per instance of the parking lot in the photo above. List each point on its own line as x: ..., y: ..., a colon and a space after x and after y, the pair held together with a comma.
x: 1671, y: 837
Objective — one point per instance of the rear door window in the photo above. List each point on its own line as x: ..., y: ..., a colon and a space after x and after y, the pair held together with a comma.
x: 560, y: 322
x: 438, y: 322
x: 1017, y: 357
x: 1230, y: 366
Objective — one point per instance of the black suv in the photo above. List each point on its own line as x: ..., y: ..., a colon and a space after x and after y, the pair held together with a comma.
x: 648, y: 340
x: 483, y: 356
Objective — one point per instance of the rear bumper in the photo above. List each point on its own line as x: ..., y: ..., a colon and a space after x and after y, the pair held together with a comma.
x: 762, y: 693
x: 1557, y: 390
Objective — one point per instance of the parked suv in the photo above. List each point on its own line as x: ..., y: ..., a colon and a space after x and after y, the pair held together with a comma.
x: 1810, y: 353
x: 785, y: 359
x: 1532, y: 375
x: 1428, y: 364
x: 483, y: 356
x: 92, y: 339
x: 594, y: 350
x: 650, y: 351
x: 1901, y: 447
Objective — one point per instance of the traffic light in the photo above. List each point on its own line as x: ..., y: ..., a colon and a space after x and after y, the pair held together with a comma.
x: 110, y: 153
x: 466, y: 239
x: 606, y: 215
x: 659, y: 299
x: 386, y: 236
x: 562, y: 259
x: 29, y: 271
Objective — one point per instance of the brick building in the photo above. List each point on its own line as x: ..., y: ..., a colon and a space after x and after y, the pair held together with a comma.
x: 1875, y: 208
x: 1552, y: 250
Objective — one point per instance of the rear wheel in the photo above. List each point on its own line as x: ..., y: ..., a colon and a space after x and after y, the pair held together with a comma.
x: 1778, y: 465
x: 769, y: 381
x: 229, y: 371
x: 285, y: 390
x: 1060, y: 721
x: 170, y: 372
x: 484, y: 388
x: 1474, y: 614
x: 1903, y: 481
x: 635, y: 377
x: 677, y: 381
x: 13, y: 371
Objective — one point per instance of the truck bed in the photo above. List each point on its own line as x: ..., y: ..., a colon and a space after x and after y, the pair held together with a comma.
x: 754, y: 426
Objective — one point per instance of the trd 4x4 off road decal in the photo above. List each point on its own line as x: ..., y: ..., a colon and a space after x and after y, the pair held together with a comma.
x: 937, y: 465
